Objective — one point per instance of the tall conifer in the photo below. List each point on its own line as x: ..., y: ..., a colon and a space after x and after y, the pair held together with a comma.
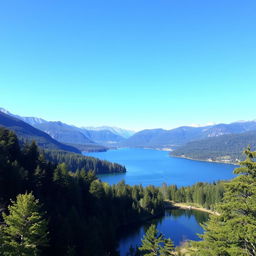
x: 233, y: 232
x: 24, y: 232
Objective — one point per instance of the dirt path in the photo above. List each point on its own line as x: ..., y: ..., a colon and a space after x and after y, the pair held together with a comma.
x: 190, y: 207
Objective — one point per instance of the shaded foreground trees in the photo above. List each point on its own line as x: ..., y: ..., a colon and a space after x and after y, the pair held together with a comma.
x: 84, y: 213
x: 76, y: 162
x: 233, y: 232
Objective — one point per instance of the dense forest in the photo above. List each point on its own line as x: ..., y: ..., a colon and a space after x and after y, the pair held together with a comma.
x: 56, y: 211
x: 76, y: 204
x: 202, y: 194
x: 225, y: 148
x: 77, y: 162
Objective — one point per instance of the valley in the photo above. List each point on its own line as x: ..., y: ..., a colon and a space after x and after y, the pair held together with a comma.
x: 221, y: 143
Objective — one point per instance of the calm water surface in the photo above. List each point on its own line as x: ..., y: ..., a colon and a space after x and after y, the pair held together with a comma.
x: 154, y: 167
x: 179, y: 225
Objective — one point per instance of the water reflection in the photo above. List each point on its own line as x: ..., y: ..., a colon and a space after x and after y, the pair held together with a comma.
x: 179, y: 225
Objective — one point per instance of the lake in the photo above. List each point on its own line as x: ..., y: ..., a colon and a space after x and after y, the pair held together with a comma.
x: 154, y: 167
x: 179, y: 225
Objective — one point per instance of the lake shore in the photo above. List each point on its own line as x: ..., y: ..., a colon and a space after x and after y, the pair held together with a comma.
x: 206, y: 160
x: 183, y: 156
x: 187, y: 206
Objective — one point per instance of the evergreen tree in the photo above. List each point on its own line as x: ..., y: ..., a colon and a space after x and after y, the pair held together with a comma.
x: 96, y: 189
x: 154, y: 244
x: 77, y: 203
x: 168, y: 248
x: 151, y: 242
x: 24, y: 232
x: 233, y: 232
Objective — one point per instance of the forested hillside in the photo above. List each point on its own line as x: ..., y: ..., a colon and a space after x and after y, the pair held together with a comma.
x: 76, y: 162
x: 225, y: 148
x: 83, y: 214
x: 205, y: 195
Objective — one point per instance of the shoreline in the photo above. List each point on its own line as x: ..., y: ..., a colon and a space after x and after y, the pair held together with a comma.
x: 169, y: 150
x: 187, y: 206
x: 207, y: 161
x: 166, y: 149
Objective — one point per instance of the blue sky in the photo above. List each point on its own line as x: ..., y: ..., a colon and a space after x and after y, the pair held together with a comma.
x: 131, y: 63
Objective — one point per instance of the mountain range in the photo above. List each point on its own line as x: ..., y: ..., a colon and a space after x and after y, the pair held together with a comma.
x: 226, y: 148
x: 160, y: 138
x: 91, y: 139
x: 218, y: 142
x: 26, y: 132
x: 125, y: 133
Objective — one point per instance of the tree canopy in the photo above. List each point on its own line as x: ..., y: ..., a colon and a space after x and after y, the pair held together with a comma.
x: 233, y: 232
x: 154, y: 244
x: 24, y: 231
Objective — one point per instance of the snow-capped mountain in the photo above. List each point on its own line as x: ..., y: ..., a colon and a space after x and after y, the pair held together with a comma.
x: 116, y: 130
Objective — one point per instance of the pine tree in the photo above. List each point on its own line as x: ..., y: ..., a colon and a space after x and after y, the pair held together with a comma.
x: 24, y: 232
x: 151, y: 242
x: 233, y: 232
x: 154, y: 244
x: 168, y: 248
x: 96, y: 189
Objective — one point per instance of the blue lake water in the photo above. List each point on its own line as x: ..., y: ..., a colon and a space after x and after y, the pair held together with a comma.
x: 179, y: 225
x: 154, y: 167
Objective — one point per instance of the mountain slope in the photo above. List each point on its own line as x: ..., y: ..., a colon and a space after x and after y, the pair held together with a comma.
x: 78, y: 136
x: 104, y: 137
x: 85, y: 140
x: 64, y: 133
x: 159, y: 138
x: 225, y: 148
x: 144, y: 138
x: 118, y: 131
x: 26, y: 132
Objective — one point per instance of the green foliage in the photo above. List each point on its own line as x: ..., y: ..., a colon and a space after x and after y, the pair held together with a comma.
x: 168, y: 248
x: 154, y: 243
x: 233, y: 232
x: 78, y: 205
x: 25, y: 230
x: 96, y: 189
x: 151, y: 242
x: 205, y: 194
x: 76, y: 162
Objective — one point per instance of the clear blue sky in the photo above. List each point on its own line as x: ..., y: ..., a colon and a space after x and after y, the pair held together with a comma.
x: 129, y: 63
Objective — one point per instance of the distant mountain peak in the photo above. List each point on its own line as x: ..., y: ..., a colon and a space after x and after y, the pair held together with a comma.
x: 203, y: 125
x: 30, y: 120
x: 5, y: 111
x: 116, y: 130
